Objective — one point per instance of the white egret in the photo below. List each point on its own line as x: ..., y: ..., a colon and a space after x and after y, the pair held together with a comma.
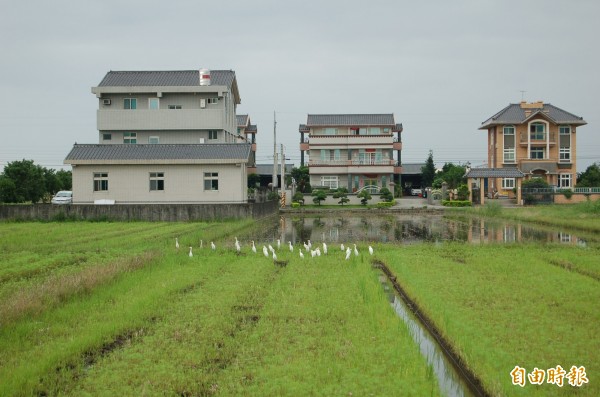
x: 306, y: 247
x: 176, y: 243
x: 325, y: 248
x: 274, y: 256
x: 291, y: 246
x: 309, y: 244
x: 213, y: 246
x: 201, y: 243
x: 355, y: 250
x: 370, y: 250
x: 253, y: 247
x: 313, y: 253
x: 265, y: 251
x: 238, y: 248
x: 318, y: 251
x: 190, y: 254
x: 301, y: 254
x: 342, y: 246
x: 278, y: 244
x: 348, y: 252
x: 271, y: 248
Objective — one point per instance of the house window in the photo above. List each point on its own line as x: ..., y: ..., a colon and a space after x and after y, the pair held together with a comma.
x: 106, y: 137
x: 375, y: 130
x: 330, y: 131
x: 564, y: 130
x: 508, y: 183
x: 509, y: 130
x: 212, y: 134
x: 174, y: 107
x: 537, y: 153
x: 330, y: 181
x: 211, y: 181
x: 537, y: 131
x: 153, y: 104
x: 564, y: 180
x: 509, y: 155
x: 130, y: 137
x: 157, y: 181
x: 153, y: 140
x: 130, y: 103
x: 564, y: 154
x: 100, y: 181
x: 213, y: 100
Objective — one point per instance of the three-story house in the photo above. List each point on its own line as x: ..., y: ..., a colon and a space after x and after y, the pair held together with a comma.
x: 538, y: 138
x: 355, y: 151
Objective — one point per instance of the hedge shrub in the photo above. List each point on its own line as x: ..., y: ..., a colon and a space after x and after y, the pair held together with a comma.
x: 456, y: 203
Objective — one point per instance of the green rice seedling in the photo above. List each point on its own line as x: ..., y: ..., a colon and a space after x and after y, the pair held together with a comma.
x: 502, y: 306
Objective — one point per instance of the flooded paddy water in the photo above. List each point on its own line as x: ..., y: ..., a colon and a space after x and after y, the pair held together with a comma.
x: 407, y: 229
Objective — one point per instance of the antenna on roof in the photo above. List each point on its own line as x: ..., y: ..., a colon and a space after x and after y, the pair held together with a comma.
x: 522, y: 95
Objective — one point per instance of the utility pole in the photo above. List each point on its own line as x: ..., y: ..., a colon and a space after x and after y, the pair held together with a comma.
x: 274, y: 152
x: 282, y: 167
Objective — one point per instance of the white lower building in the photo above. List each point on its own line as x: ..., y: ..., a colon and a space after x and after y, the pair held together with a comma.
x: 155, y: 174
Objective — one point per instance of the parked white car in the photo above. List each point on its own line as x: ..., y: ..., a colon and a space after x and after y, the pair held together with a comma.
x: 63, y: 197
x: 415, y: 191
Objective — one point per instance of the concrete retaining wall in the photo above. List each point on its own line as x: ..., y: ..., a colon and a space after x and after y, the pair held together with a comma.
x: 139, y: 212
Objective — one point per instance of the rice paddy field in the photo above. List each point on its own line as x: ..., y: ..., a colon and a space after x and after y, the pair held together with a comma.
x: 99, y: 309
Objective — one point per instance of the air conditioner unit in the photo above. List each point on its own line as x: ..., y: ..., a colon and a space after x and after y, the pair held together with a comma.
x: 202, y: 103
x: 106, y: 102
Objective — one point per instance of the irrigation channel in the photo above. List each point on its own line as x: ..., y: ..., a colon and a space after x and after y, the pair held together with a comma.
x: 453, y: 378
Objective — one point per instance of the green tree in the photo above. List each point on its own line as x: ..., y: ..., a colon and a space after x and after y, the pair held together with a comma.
x: 298, y: 197
x: 253, y: 179
x: 590, y: 177
x: 342, y: 194
x: 364, y: 196
x: 318, y: 196
x: 8, y: 190
x: 428, y: 171
x: 66, y: 179
x: 453, y: 175
x: 385, y: 194
x: 28, y: 180
x: 302, y: 178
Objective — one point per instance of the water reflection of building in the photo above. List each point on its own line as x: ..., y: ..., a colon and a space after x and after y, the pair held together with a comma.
x: 482, y: 231
x: 407, y: 229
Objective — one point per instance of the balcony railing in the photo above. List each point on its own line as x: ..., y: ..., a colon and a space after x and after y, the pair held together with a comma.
x: 355, y: 162
x: 538, y: 138
x: 349, y: 139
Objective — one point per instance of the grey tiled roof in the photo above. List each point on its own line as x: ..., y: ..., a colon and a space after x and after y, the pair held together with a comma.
x: 230, y: 152
x: 242, y: 120
x: 412, y: 168
x: 165, y: 78
x: 350, y: 119
x: 267, y: 169
x: 514, y: 114
x: 494, y: 173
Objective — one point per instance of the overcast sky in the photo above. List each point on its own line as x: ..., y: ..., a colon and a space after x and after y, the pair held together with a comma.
x: 442, y: 67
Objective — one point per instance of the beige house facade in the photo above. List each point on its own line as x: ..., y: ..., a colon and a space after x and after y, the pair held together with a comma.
x: 538, y: 139
x: 355, y: 151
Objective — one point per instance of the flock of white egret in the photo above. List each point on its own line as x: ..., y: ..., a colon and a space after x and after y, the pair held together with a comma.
x: 270, y: 252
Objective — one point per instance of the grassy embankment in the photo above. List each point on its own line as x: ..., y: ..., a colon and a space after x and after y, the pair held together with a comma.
x: 214, y: 323
x: 507, y: 305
